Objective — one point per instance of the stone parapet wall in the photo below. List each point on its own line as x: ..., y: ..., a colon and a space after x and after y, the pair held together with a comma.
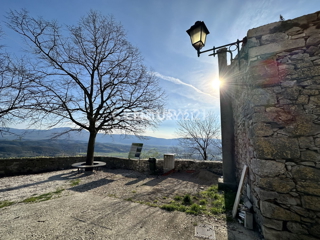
x: 9, y: 167
x: 276, y: 105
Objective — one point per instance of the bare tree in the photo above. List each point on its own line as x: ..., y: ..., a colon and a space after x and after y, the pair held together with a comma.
x: 200, y: 136
x: 89, y: 75
x: 14, y: 90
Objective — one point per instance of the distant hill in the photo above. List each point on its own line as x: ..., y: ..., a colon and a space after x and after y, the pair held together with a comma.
x: 33, y: 142
x: 35, y: 134
x: 54, y: 147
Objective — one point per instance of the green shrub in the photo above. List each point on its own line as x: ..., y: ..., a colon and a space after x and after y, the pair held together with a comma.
x: 203, y: 202
x: 187, y: 200
x: 194, y: 209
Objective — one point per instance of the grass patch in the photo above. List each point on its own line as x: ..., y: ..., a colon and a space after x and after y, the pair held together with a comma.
x: 177, y: 198
x: 169, y: 207
x: 42, y: 197
x: 6, y: 204
x: 74, y: 182
x: 208, y: 202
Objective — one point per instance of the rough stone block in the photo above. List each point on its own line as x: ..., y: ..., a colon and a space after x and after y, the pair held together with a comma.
x: 312, y: 164
x: 306, y: 83
x: 294, y: 31
x: 307, y: 237
x: 276, y: 148
x: 266, y: 195
x: 304, y: 173
x: 291, y: 93
x: 312, y: 31
x: 312, y: 188
x: 263, y: 68
x: 273, y: 211
x: 267, y: 82
x: 306, y: 142
x: 303, y: 126
x: 304, y: 64
x: 272, y: 38
x: 271, y: 234
x: 313, y: 40
x: 288, y: 200
x: 307, y: 73
x: 267, y: 168
x: 288, y: 84
x: 317, y: 142
x: 301, y: 35
x: 262, y: 130
x: 303, y: 212
x: 310, y: 92
x: 262, y: 30
x: 315, y: 230
x: 311, y: 202
x: 281, y: 185
x: 315, y: 100
x: 271, y: 223
x: 303, y: 99
x: 263, y: 97
x: 312, y: 49
x: 310, y: 155
x: 296, y: 228
x: 305, y: 19
x: 264, y: 117
x: 252, y: 42
x: 276, y: 47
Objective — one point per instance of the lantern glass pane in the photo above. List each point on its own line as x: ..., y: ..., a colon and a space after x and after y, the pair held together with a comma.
x: 195, y: 35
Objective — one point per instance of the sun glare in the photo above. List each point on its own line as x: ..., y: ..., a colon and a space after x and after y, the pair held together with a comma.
x: 216, y: 83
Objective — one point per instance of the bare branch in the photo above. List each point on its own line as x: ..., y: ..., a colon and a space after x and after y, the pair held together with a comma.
x: 200, y: 136
x: 89, y: 74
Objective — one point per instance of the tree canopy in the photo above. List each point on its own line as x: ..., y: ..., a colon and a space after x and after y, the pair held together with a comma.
x: 88, y: 74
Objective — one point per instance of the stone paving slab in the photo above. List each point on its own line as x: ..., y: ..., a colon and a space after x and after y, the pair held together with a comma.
x: 85, y: 216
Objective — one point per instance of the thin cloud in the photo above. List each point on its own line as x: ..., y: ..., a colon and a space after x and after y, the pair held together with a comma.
x: 178, y: 81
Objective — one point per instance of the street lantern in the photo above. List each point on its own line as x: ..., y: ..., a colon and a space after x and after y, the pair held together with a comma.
x: 198, y: 34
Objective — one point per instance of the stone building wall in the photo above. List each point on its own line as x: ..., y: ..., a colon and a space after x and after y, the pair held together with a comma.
x: 276, y: 108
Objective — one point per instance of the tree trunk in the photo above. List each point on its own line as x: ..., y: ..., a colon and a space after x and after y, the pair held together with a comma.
x: 90, y: 149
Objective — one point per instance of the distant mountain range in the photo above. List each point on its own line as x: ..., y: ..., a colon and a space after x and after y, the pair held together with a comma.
x: 35, y: 135
x: 34, y: 142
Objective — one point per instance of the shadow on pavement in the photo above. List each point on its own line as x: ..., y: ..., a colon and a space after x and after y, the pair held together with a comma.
x: 91, y: 185
x: 59, y: 177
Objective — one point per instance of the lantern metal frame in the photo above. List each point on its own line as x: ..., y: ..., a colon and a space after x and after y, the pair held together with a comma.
x: 214, y: 49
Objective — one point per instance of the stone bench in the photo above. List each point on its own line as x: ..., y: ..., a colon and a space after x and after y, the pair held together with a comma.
x: 82, y: 165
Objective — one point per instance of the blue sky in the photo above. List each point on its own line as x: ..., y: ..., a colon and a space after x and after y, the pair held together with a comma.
x: 158, y: 29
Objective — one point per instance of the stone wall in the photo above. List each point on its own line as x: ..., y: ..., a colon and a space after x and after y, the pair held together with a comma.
x: 9, y: 167
x: 275, y: 87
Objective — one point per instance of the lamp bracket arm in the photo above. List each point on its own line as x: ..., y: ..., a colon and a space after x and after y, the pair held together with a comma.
x: 237, y: 44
